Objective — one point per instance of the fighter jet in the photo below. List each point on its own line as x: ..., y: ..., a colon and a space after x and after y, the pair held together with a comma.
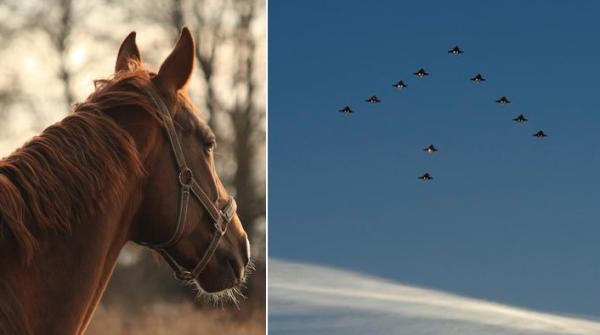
x: 521, y: 118
x: 540, y: 134
x: 430, y: 149
x: 400, y: 85
x: 426, y: 177
x: 455, y: 51
x: 503, y: 100
x: 478, y: 78
x: 421, y: 73
x: 373, y: 100
x: 346, y: 110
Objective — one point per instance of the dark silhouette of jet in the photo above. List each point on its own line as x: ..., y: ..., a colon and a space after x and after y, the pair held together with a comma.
x: 346, y: 110
x: 421, y: 73
x: 503, y: 100
x: 400, y: 85
x: 478, y: 78
x: 455, y: 51
x: 430, y: 149
x: 521, y: 118
x: 373, y: 100
x: 540, y: 134
x: 426, y: 177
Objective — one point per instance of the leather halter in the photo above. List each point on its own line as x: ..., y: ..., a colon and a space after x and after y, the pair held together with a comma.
x: 187, y: 183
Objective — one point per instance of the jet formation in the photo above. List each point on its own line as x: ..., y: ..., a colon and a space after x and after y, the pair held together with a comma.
x: 421, y: 73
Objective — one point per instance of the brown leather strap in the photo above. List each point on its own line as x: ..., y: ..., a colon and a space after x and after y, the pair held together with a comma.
x: 226, y: 215
x: 184, y: 198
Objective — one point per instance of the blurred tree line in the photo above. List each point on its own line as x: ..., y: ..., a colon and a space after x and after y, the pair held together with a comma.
x: 52, y: 49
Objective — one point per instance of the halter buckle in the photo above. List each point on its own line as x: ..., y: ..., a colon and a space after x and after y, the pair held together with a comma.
x: 183, y: 275
x: 186, y: 177
x: 221, y: 224
x: 225, y: 216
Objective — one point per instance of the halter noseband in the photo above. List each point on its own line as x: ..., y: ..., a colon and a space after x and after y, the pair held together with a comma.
x: 187, y: 183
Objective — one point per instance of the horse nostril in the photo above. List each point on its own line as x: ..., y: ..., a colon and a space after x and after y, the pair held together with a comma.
x: 237, y: 271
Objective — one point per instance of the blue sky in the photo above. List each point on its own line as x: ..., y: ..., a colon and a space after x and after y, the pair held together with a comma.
x: 509, y: 217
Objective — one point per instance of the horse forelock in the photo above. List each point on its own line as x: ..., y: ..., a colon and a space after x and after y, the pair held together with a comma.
x: 75, y: 168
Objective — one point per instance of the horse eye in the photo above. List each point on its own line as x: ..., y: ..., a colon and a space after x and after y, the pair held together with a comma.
x: 210, y: 146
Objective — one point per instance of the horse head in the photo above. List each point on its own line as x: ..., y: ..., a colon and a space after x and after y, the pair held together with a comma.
x: 185, y: 212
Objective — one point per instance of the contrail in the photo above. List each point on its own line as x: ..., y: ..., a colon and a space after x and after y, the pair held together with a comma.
x: 309, y: 299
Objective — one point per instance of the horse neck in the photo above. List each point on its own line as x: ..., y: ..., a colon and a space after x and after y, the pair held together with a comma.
x: 58, y: 291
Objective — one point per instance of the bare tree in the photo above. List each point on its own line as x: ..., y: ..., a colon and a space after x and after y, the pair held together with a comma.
x: 246, y: 117
x: 54, y: 18
x: 209, y: 34
x: 59, y: 35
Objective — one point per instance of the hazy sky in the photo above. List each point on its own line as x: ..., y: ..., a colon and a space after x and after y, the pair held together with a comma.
x: 509, y: 217
x: 308, y: 299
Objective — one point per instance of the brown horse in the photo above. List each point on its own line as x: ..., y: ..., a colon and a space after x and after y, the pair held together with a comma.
x: 132, y: 162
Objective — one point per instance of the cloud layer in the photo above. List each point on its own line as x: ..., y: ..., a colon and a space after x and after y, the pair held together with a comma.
x: 310, y: 299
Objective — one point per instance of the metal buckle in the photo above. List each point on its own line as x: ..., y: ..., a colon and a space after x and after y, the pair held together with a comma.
x: 186, y: 177
x: 222, y: 223
x: 225, y: 216
x: 183, y: 275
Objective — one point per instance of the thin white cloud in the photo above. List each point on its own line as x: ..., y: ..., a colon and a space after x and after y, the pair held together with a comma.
x: 310, y: 299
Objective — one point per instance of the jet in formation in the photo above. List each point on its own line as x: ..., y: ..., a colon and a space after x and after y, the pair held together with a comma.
x: 478, y: 78
x: 426, y: 176
x: 503, y: 100
x: 521, y: 118
x: 455, y: 51
x: 431, y: 149
x: 373, y: 100
x: 421, y: 73
x: 346, y: 110
x: 400, y: 85
x: 540, y: 134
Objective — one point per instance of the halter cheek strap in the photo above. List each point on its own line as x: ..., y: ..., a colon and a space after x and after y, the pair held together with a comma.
x: 188, y: 185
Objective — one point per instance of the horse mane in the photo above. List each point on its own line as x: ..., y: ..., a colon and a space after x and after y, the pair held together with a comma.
x: 75, y: 168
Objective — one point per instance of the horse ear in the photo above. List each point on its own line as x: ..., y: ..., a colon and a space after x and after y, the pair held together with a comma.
x: 176, y: 70
x: 127, y: 52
